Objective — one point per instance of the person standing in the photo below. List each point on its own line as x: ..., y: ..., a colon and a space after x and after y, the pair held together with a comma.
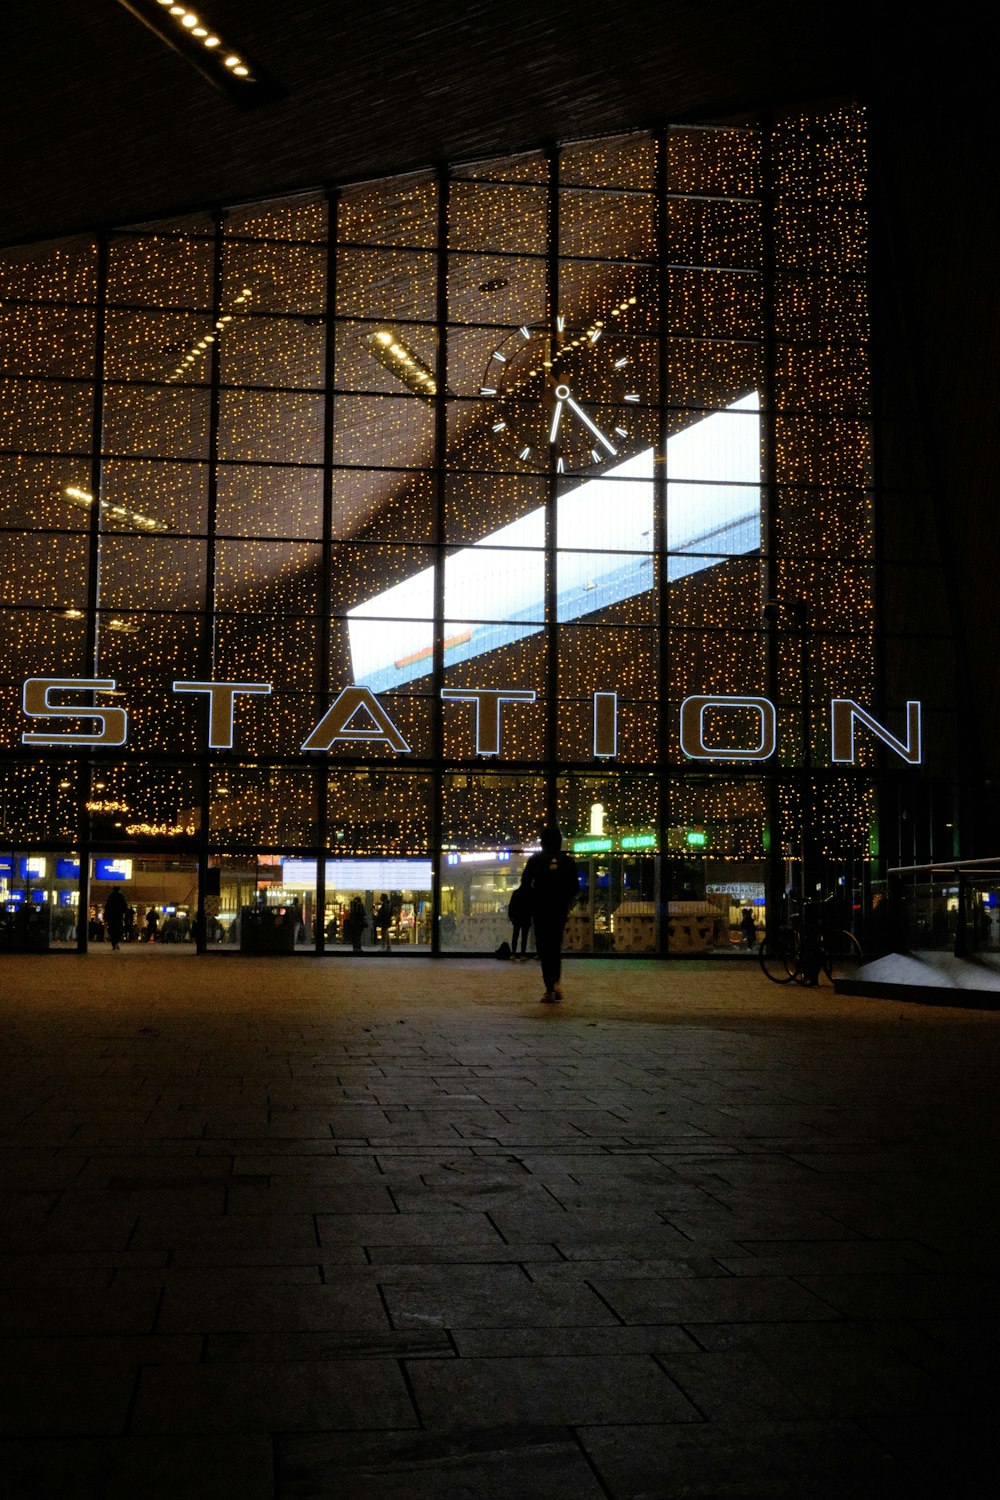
x: 519, y: 916
x: 552, y: 883
x: 115, y: 912
x: 152, y: 923
x: 382, y: 921
x: 356, y: 923
x: 748, y: 927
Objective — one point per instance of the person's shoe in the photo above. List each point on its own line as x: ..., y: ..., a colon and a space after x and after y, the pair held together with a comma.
x: 550, y: 998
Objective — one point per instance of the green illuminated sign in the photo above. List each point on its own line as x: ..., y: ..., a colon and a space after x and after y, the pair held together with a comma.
x: 696, y: 838
x: 591, y: 846
x: 639, y: 841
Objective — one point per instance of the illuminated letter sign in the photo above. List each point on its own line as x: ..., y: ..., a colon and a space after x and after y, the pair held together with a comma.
x: 488, y: 701
x: 844, y: 711
x: 336, y: 723
x: 221, y: 706
x: 605, y: 724
x: 693, y: 712
x: 113, y: 721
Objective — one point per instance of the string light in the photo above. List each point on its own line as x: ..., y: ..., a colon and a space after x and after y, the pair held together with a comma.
x: 268, y: 337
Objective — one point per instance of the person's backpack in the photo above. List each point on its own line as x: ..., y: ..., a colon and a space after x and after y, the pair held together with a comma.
x: 504, y: 950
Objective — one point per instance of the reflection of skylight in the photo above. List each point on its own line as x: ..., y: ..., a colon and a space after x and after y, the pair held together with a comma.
x: 494, y: 591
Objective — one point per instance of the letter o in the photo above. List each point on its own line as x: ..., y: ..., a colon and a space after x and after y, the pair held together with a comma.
x: 693, y: 712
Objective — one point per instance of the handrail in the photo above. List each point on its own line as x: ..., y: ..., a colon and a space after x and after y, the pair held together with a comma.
x: 959, y: 868
x: 951, y: 866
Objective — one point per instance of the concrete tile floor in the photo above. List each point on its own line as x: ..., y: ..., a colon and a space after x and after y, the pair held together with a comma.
x: 293, y: 1229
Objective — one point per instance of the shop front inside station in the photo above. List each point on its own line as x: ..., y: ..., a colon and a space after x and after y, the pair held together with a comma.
x: 631, y: 902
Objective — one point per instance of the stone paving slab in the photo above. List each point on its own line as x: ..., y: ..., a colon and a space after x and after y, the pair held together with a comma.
x: 748, y: 1460
x: 290, y: 1396
x: 491, y: 1464
x: 281, y: 1230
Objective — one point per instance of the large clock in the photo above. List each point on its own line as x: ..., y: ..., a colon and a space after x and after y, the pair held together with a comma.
x: 564, y: 399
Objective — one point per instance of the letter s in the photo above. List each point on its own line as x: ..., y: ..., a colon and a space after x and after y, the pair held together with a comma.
x: 113, y: 721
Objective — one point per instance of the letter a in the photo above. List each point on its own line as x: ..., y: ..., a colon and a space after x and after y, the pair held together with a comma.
x: 336, y: 723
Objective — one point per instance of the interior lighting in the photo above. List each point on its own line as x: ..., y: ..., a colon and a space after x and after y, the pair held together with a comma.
x: 199, y: 347
x: 186, y: 32
x: 393, y: 355
x: 85, y: 500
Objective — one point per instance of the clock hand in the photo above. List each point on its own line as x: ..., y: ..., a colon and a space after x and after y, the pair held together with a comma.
x: 563, y: 394
x: 555, y: 419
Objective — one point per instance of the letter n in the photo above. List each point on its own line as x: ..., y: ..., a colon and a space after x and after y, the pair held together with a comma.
x: 843, y: 714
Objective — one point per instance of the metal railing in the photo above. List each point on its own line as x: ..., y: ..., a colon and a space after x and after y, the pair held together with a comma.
x: 938, y: 909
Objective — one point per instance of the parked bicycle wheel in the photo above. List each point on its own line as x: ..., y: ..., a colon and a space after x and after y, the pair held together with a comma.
x: 779, y: 955
x: 841, y: 949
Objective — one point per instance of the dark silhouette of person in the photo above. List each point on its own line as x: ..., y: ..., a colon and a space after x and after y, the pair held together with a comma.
x: 519, y: 915
x: 382, y: 920
x: 748, y: 927
x: 552, y: 882
x: 152, y: 923
x: 115, y: 913
x: 129, y: 932
x: 356, y: 923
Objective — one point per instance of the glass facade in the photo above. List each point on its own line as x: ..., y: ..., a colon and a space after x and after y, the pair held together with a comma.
x: 465, y: 482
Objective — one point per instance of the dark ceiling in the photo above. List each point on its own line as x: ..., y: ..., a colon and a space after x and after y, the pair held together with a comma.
x: 101, y: 123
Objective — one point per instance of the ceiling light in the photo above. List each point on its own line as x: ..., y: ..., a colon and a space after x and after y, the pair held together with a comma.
x: 217, y: 60
x: 393, y: 355
x: 85, y: 499
x: 198, y: 348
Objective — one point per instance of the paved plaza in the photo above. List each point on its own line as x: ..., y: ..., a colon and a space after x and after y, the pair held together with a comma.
x: 389, y: 1229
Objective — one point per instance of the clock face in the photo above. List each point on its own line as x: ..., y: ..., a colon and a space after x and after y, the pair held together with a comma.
x: 565, y: 399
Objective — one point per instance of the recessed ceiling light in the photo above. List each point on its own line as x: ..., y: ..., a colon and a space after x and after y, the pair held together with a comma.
x: 186, y: 32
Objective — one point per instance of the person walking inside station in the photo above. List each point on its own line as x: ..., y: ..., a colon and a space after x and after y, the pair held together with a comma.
x: 115, y: 912
x: 552, y: 882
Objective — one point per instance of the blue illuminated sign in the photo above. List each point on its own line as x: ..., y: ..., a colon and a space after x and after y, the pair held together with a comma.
x: 112, y: 869
x: 67, y: 869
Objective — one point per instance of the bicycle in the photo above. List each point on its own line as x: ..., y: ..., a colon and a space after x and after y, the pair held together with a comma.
x: 808, y: 946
